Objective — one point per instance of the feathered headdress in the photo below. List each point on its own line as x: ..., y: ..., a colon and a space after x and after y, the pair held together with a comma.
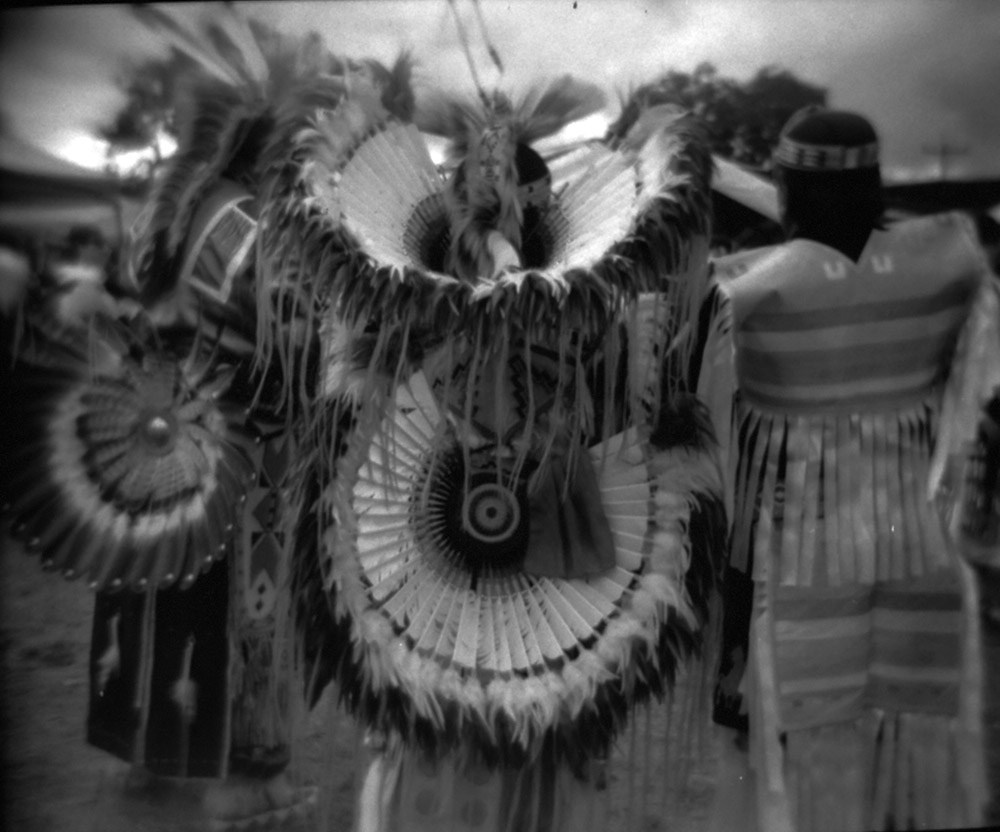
x: 496, y: 174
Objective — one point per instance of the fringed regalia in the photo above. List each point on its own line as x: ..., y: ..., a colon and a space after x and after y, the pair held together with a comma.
x: 505, y: 503
x: 511, y: 498
x: 503, y: 509
x: 857, y: 661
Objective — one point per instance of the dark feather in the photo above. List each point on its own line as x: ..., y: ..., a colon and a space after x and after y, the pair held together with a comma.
x: 684, y: 422
x: 544, y: 112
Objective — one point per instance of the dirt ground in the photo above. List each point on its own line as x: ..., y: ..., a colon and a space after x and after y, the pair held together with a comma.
x: 53, y: 781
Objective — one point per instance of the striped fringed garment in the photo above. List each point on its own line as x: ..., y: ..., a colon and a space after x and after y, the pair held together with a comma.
x: 863, y: 691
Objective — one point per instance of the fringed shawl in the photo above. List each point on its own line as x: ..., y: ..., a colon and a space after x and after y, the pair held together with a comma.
x: 863, y: 643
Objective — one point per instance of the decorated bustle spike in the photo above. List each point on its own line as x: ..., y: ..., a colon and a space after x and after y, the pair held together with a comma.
x: 184, y: 691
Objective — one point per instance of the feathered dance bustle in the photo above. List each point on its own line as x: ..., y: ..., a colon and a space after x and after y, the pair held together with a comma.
x: 124, y: 465
x: 474, y: 355
x: 454, y: 642
x: 492, y: 411
x: 627, y: 226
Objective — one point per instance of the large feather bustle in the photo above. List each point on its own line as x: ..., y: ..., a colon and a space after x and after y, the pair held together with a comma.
x: 582, y: 699
x: 323, y: 118
x: 124, y: 463
x: 654, y: 246
x: 496, y: 719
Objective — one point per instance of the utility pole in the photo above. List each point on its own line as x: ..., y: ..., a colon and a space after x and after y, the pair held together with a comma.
x: 944, y: 152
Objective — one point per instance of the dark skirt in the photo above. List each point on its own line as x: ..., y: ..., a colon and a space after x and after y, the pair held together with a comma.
x: 133, y: 713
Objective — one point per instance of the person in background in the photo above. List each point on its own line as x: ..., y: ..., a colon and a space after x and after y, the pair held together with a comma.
x: 189, y: 682
x: 976, y: 511
x: 183, y: 678
x: 17, y: 265
x: 81, y: 275
x: 849, y: 683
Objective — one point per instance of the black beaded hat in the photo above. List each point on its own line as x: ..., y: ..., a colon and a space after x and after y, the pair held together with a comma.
x: 821, y: 140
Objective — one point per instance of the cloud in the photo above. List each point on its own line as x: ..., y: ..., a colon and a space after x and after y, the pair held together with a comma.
x: 965, y: 82
x: 930, y: 76
x: 59, y: 67
x: 923, y: 69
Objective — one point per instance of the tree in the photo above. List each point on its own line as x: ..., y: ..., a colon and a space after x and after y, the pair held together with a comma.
x: 743, y: 119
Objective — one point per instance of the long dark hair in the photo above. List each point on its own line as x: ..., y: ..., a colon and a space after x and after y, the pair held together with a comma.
x: 837, y: 208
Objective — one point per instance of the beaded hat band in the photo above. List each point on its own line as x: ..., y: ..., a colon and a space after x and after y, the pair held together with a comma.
x: 816, y: 139
x: 793, y: 154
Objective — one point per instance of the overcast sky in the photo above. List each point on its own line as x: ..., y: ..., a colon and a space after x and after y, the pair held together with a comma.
x: 926, y: 71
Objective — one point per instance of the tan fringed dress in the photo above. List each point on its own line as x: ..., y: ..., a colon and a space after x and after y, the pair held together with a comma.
x: 862, y: 688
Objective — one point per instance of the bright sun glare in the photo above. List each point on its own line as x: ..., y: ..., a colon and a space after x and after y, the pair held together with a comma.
x: 90, y: 152
x: 86, y: 151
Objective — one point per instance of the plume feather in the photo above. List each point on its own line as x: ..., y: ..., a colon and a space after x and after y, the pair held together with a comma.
x: 545, y: 111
